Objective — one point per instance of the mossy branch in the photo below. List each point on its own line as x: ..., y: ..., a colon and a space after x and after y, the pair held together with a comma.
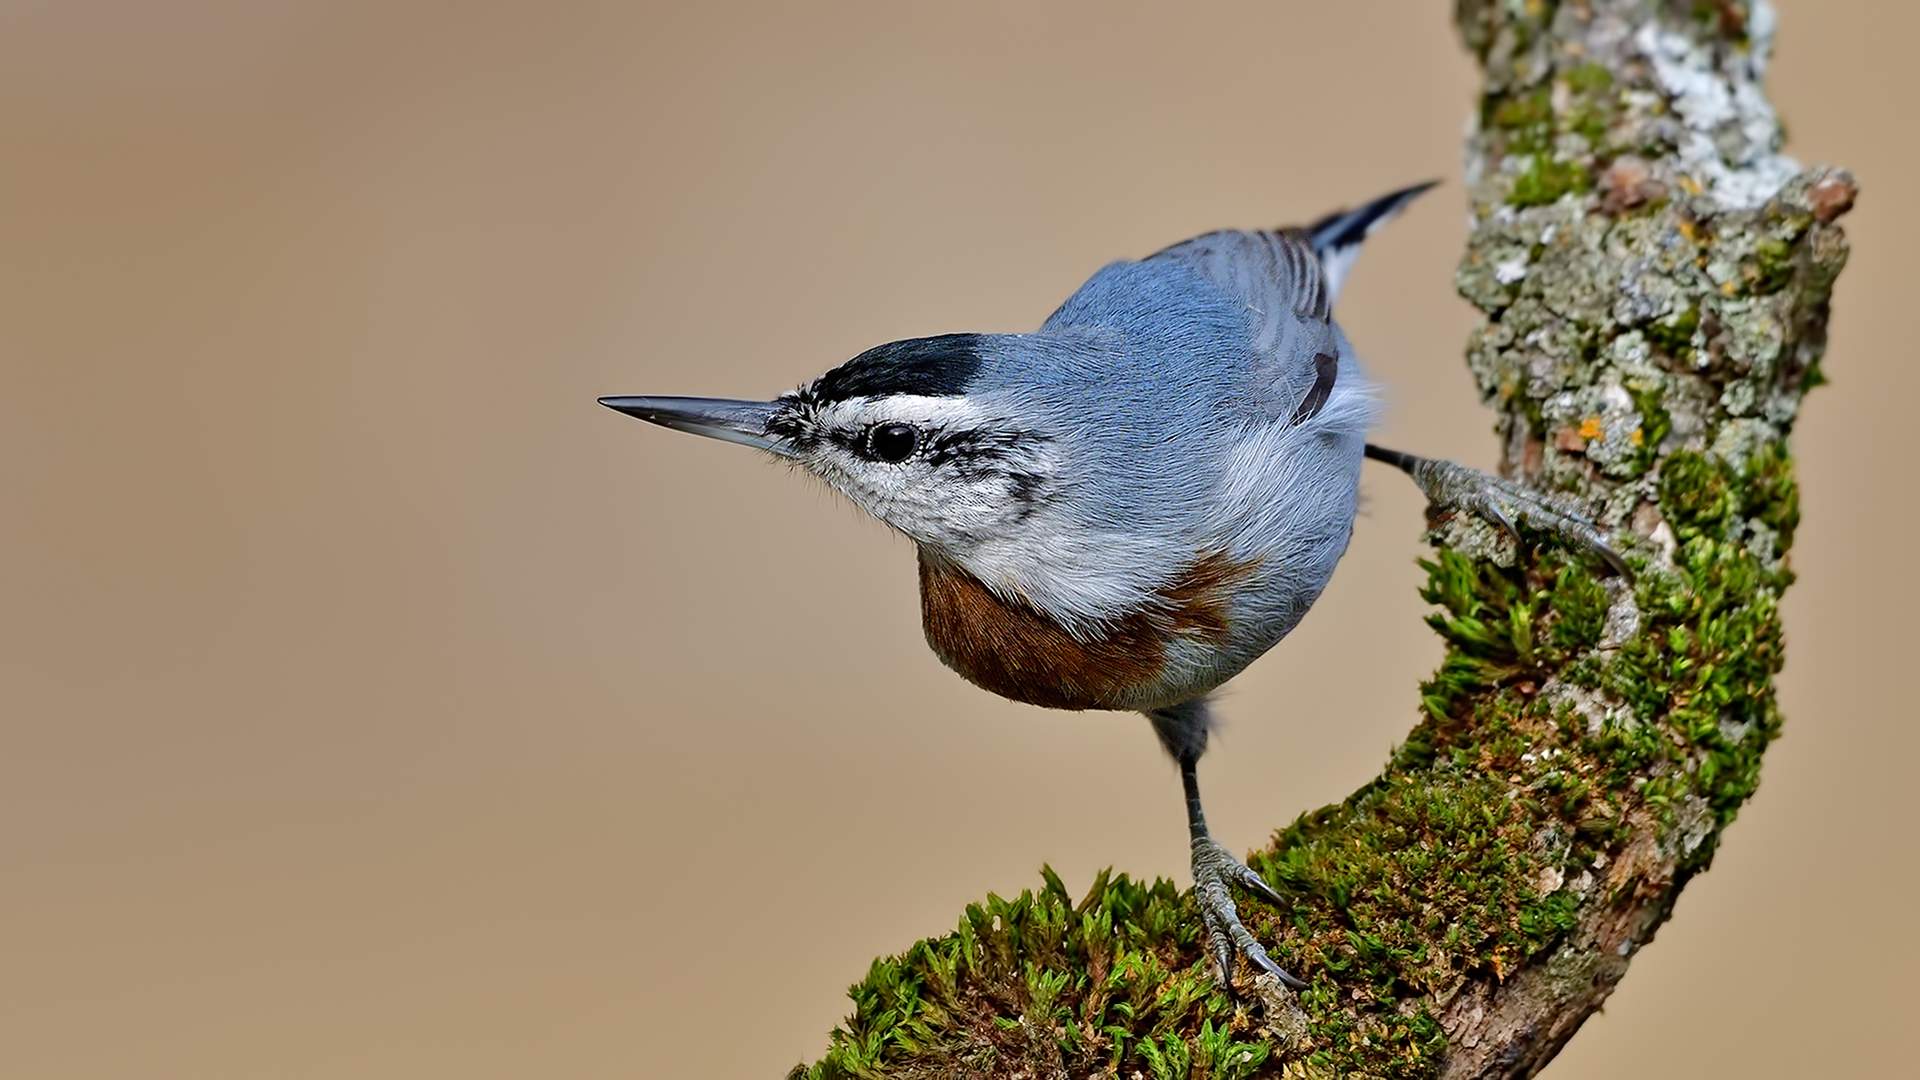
x: 1655, y: 279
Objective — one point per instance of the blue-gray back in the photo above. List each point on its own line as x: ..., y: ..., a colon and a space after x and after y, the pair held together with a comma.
x: 1161, y: 368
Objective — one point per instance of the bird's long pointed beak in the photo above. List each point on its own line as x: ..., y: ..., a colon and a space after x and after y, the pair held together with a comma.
x: 743, y: 422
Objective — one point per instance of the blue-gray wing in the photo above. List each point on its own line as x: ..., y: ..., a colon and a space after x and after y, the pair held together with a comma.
x: 1297, y: 268
x: 1275, y: 275
x: 1275, y: 280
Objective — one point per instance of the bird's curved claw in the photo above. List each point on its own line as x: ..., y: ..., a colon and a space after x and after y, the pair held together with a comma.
x: 1214, y: 869
x: 1512, y: 506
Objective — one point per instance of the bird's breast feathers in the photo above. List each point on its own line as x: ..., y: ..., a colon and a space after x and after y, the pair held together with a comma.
x: 1008, y: 646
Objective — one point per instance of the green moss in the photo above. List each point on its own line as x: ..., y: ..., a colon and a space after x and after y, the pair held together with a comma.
x: 1656, y: 423
x: 1593, y: 106
x: 1772, y: 266
x: 1468, y: 842
x: 1109, y: 980
x: 1703, y: 669
x: 1546, y: 180
x: 1526, y: 120
x: 1695, y: 494
x: 1769, y: 493
x: 1589, y: 78
x: 1814, y: 374
x: 1674, y: 335
x: 1705, y: 675
x: 1503, y: 626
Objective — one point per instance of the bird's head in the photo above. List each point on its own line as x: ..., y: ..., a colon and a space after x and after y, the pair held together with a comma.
x: 904, y: 431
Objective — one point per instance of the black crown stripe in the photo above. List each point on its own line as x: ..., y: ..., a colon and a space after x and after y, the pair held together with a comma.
x: 930, y: 367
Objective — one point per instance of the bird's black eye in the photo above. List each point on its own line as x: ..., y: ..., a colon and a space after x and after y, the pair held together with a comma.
x: 893, y: 443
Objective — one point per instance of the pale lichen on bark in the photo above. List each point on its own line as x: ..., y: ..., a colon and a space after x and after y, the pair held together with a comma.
x: 1655, y: 278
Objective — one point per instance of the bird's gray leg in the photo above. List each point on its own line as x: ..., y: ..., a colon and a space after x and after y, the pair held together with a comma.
x: 1509, y: 505
x: 1183, y: 731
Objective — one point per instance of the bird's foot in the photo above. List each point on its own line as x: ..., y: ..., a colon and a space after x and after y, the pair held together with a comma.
x: 1506, y: 504
x: 1214, y: 870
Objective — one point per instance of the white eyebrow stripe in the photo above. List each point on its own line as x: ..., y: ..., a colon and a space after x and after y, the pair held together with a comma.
x: 920, y: 410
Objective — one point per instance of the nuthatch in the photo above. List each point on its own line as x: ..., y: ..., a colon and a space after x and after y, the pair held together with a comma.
x: 1125, y: 508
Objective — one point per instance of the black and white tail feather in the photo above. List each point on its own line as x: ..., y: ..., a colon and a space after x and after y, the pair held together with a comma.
x: 1337, y: 237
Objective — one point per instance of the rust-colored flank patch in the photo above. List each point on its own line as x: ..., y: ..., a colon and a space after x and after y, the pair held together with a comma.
x: 1199, y: 596
x: 1015, y: 650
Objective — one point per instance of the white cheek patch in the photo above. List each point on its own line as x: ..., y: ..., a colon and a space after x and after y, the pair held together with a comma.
x: 941, y: 506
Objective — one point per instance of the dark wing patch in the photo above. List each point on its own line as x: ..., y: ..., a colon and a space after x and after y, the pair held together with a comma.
x: 930, y: 367
x: 1325, y: 370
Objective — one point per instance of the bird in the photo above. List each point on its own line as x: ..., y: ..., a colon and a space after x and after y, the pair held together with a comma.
x: 1124, y: 508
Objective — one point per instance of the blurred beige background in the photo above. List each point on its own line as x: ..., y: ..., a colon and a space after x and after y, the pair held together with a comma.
x: 373, y: 704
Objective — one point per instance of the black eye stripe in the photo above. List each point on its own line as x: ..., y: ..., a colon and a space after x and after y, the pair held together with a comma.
x: 975, y: 449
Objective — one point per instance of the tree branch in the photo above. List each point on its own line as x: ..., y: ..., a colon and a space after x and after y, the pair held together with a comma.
x: 1655, y: 280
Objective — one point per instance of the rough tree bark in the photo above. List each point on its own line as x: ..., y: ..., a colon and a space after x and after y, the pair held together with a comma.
x: 1655, y: 279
